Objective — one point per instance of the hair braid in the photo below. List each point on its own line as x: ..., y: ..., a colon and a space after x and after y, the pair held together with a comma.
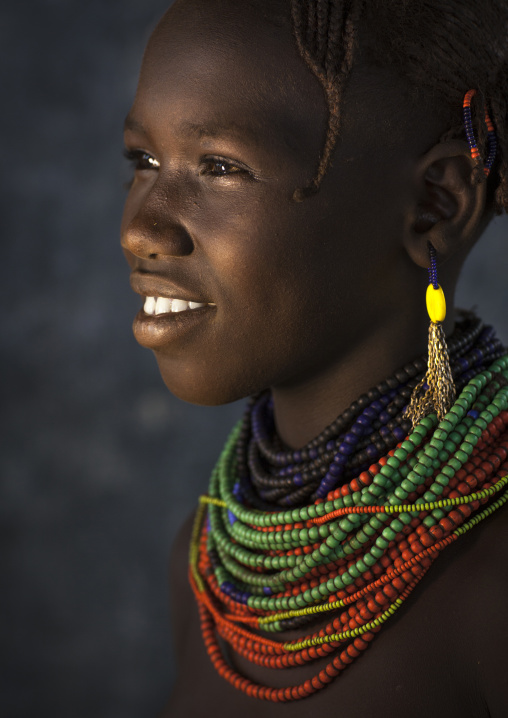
x: 321, y: 30
x: 311, y: 25
x: 443, y: 46
x: 330, y: 57
x: 335, y: 22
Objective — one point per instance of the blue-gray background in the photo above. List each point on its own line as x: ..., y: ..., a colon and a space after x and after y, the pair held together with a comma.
x: 99, y: 463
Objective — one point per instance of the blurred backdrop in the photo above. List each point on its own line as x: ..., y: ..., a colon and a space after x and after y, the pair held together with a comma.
x: 98, y: 463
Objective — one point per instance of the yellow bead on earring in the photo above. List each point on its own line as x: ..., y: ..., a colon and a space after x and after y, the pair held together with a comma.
x: 436, y: 304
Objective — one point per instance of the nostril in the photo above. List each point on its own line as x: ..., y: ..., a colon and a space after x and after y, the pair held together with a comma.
x: 147, y: 237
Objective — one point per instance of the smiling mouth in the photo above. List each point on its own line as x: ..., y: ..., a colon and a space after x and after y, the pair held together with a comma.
x: 164, y: 305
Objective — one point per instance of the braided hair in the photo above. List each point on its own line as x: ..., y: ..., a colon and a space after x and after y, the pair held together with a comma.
x: 443, y: 46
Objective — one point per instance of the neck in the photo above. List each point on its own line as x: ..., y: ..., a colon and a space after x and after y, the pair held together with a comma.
x: 305, y: 408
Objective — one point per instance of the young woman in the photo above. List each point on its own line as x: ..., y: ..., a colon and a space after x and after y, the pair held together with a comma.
x: 298, y: 165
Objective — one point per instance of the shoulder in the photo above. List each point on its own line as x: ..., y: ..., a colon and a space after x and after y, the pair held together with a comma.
x: 486, y: 555
x: 479, y: 580
x: 476, y: 570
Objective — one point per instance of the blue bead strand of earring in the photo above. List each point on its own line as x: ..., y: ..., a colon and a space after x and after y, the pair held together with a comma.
x: 433, y: 267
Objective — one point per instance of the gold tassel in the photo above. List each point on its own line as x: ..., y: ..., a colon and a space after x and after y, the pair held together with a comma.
x: 436, y: 391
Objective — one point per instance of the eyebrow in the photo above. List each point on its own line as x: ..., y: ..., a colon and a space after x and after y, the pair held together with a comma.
x: 211, y: 130
x: 215, y: 130
x: 132, y: 124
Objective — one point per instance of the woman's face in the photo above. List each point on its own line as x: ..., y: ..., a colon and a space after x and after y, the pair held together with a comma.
x: 227, y: 122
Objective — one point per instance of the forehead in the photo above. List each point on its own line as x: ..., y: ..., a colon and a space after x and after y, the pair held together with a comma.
x: 243, y: 28
x: 221, y: 61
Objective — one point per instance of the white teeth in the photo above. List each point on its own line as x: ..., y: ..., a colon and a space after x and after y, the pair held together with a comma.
x: 179, y: 305
x: 149, y: 305
x: 163, y: 305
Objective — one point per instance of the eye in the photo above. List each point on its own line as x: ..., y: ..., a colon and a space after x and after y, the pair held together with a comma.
x: 218, y: 167
x: 141, y: 160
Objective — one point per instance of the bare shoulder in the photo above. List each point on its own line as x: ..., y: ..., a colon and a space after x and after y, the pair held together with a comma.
x: 489, y: 614
x: 479, y: 577
x: 486, y: 553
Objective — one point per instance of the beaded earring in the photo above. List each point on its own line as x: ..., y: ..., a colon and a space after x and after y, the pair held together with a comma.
x: 436, y: 391
x: 491, y: 136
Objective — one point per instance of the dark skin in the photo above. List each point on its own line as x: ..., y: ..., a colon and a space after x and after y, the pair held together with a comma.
x: 317, y: 300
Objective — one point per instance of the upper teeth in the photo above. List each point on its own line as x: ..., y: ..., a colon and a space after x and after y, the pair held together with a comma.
x: 163, y: 305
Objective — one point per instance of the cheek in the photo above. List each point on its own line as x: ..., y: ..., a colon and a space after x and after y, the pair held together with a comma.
x: 263, y: 245
x: 279, y: 280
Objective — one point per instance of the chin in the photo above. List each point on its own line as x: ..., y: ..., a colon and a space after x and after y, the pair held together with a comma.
x: 196, y: 387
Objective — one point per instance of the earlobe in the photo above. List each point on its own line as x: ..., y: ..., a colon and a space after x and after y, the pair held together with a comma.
x: 448, y: 205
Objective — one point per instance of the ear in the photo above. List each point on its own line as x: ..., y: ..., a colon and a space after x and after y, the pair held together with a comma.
x: 448, y: 204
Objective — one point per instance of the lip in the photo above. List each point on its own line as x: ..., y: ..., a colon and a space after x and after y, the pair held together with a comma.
x: 154, y: 285
x: 157, y: 331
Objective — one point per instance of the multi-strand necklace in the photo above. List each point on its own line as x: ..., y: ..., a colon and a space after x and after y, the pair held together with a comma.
x: 347, y: 526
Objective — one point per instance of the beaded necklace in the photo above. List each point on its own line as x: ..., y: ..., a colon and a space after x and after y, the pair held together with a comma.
x: 350, y: 524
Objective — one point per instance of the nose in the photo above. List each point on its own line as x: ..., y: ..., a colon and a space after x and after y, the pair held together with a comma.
x: 152, y: 229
